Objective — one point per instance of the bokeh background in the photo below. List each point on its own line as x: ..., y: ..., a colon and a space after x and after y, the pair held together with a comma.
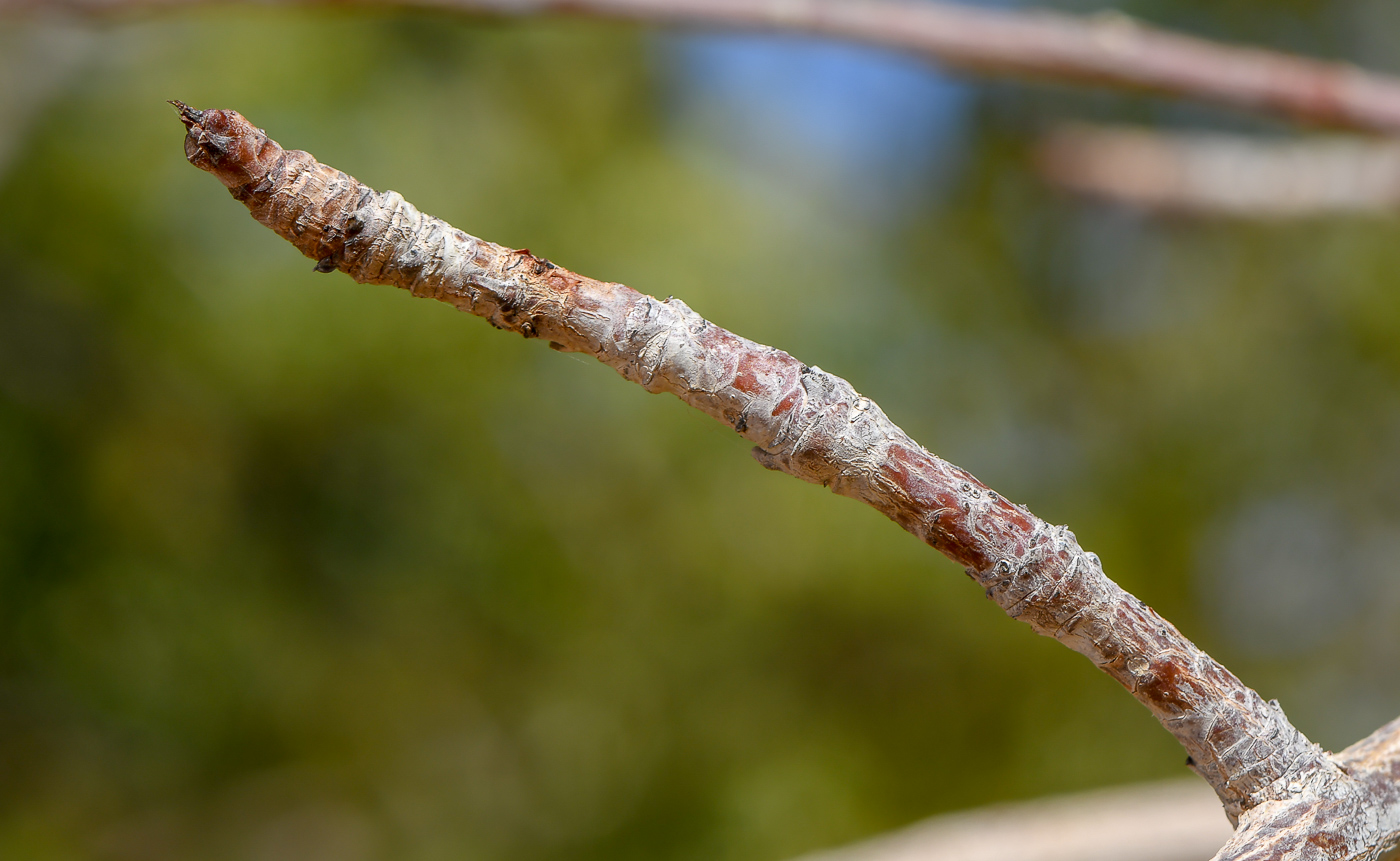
x: 292, y: 568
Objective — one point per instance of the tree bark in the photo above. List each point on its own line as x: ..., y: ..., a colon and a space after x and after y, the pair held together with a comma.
x: 1282, y: 789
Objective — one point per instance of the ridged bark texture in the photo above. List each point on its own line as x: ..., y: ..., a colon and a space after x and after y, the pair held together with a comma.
x: 1356, y: 817
x: 802, y: 421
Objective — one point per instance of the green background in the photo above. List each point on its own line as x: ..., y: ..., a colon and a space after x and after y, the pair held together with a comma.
x: 296, y: 568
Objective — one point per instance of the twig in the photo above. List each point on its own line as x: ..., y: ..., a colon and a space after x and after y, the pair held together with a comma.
x: 1106, y: 50
x: 815, y: 426
x: 1224, y: 175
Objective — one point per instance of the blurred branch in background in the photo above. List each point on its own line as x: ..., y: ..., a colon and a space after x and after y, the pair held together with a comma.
x: 1104, y: 50
x: 45, y: 58
x: 1167, y: 821
x: 1224, y: 175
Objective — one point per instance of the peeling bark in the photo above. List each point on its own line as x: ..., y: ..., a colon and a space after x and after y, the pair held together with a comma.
x: 1356, y: 816
x: 815, y: 426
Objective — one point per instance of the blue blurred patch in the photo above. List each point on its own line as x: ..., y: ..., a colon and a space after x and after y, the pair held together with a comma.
x: 879, y: 128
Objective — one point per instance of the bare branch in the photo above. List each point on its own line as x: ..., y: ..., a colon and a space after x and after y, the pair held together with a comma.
x: 1224, y: 175
x: 1106, y: 50
x: 1172, y: 821
x: 803, y: 421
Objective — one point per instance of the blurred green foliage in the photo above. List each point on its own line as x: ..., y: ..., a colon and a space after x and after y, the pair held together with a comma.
x: 295, y: 568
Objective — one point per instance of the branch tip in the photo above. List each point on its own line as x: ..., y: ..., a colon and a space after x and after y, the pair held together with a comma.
x: 188, y: 115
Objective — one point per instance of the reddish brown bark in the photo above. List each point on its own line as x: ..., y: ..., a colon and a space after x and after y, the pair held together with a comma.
x: 1106, y: 50
x: 815, y: 426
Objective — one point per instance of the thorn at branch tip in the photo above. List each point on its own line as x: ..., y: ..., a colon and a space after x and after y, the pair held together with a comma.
x: 188, y: 115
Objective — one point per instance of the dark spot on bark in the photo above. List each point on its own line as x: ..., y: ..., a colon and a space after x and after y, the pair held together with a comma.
x: 216, y: 145
x: 528, y: 329
x: 538, y: 265
x: 325, y: 264
x: 806, y: 369
x: 742, y: 424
